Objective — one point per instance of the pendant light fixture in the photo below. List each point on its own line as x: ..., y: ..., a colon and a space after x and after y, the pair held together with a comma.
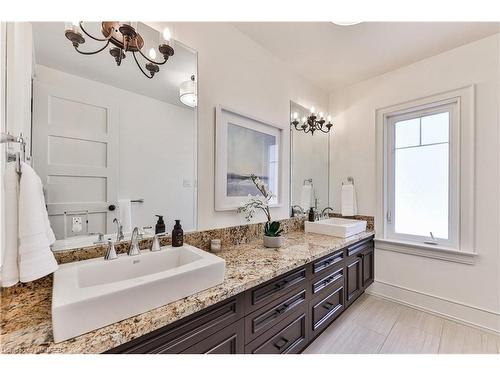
x: 188, y: 92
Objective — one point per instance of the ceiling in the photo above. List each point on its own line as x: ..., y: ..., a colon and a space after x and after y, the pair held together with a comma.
x: 335, y: 56
x: 52, y: 49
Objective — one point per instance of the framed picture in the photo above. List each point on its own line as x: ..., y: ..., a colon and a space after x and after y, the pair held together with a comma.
x: 245, y: 145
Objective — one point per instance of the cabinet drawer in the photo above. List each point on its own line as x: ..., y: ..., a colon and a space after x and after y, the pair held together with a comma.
x: 325, y: 309
x: 261, y: 320
x: 227, y: 341
x: 176, y: 337
x: 328, y: 262
x: 327, y: 280
x: 288, y: 337
x: 359, y: 246
x: 265, y: 293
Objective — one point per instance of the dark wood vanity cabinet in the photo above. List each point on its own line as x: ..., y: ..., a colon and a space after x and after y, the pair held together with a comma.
x: 280, y: 316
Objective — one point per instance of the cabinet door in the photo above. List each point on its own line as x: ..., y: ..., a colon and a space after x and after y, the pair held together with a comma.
x: 368, y: 258
x: 227, y: 341
x: 353, y: 279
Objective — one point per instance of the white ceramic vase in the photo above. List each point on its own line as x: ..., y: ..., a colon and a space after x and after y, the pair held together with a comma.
x: 273, y: 242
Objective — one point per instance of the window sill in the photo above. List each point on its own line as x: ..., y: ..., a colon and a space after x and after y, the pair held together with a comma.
x: 428, y: 251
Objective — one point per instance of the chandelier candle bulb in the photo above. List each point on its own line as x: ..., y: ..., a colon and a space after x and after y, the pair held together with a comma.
x: 313, y: 110
x: 72, y: 26
x: 167, y: 35
x: 152, y: 53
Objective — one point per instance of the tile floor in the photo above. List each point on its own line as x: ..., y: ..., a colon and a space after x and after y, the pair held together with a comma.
x: 375, y: 325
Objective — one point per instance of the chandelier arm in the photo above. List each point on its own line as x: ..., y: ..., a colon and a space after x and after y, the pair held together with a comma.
x: 152, y: 61
x: 91, y: 52
x: 93, y: 37
x: 140, y: 67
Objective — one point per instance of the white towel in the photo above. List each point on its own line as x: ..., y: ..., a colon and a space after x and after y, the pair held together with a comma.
x: 348, y: 200
x: 306, y: 197
x: 35, y: 258
x: 10, y: 269
x: 125, y: 214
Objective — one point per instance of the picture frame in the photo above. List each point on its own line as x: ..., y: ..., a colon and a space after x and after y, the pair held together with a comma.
x: 246, y: 145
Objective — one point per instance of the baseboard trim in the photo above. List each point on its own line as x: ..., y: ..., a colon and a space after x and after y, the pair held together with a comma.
x: 485, y: 320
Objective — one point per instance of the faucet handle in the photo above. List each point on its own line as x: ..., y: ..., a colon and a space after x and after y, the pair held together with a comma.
x: 155, y: 245
x: 100, y: 237
x: 134, y: 243
x: 110, y: 251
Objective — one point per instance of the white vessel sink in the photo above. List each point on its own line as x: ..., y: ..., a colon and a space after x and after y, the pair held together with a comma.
x: 94, y: 293
x: 336, y: 227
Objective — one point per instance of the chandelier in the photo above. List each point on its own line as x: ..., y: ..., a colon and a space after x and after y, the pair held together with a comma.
x: 315, y: 121
x: 123, y: 38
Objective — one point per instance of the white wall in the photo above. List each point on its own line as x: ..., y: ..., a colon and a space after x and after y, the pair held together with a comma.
x: 157, y: 150
x: 236, y: 72
x: 473, y: 288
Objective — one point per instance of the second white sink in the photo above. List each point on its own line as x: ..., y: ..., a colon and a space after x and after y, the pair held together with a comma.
x: 94, y: 293
x: 337, y: 227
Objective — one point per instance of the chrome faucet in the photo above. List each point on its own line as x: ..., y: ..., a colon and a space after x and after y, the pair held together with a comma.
x: 134, y: 243
x: 155, y: 245
x: 119, y: 230
x: 110, y: 251
x: 323, y: 212
x: 296, y: 208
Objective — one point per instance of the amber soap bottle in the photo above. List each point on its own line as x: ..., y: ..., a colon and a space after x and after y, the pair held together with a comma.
x: 177, y: 235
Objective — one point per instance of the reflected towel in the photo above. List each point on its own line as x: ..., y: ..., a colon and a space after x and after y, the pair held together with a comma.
x: 35, y: 258
x: 306, y: 197
x: 349, y: 205
x: 10, y: 269
x: 125, y: 214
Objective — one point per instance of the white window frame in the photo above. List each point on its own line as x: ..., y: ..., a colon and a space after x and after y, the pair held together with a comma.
x: 450, y: 106
x: 462, y: 159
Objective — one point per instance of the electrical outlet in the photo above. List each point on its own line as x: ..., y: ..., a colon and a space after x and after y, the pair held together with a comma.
x: 77, y: 224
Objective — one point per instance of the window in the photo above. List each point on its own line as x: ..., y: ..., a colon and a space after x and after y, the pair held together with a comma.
x: 422, y: 175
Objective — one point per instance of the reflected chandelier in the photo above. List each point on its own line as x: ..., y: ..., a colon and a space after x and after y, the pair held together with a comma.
x: 315, y: 121
x: 124, y: 37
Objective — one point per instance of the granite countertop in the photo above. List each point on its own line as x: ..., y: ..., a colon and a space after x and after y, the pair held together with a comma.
x: 26, y: 318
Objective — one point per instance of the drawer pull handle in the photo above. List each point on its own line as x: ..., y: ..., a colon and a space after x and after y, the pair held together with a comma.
x: 329, y: 280
x: 280, y: 344
x: 281, y: 309
x: 328, y: 305
x: 280, y: 285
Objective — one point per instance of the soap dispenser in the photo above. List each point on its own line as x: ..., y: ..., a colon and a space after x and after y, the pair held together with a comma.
x: 311, y: 214
x: 160, y: 225
x: 177, y: 235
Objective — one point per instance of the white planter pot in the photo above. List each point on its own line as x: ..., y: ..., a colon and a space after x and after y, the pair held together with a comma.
x: 273, y: 242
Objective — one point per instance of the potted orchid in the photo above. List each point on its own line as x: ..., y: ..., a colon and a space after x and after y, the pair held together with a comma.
x: 272, y: 231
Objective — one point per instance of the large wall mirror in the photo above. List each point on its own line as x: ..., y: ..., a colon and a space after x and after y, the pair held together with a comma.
x: 108, y: 142
x: 310, y: 166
